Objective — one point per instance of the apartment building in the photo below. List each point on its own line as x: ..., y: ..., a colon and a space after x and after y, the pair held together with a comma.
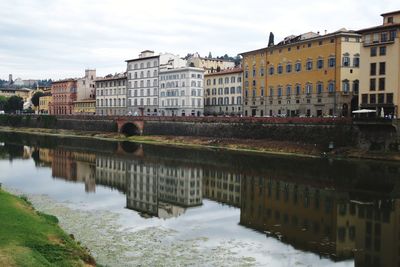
x: 181, y: 92
x: 209, y: 64
x: 305, y: 75
x: 223, y: 92
x: 111, y: 95
x: 63, y: 96
x: 380, y: 66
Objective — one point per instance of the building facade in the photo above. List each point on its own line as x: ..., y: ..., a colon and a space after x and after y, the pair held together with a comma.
x: 223, y: 92
x: 181, y: 92
x: 86, y: 86
x: 380, y: 66
x: 209, y: 64
x: 142, y: 91
x: 305, y: 75
x: 254, y: 82
x: 84, y: 107
x: 111, y: 95
x: 44, y: 103
x: 63, y: 96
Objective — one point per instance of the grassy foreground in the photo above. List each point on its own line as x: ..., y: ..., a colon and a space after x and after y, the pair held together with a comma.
x: 31, y: 238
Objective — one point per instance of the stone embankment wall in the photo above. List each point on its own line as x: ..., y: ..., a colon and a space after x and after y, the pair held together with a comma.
x: 320, y: 134
x: 318, y: 131
x: 77, y: 123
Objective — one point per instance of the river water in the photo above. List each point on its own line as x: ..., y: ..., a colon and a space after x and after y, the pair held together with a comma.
x: 144, y: 205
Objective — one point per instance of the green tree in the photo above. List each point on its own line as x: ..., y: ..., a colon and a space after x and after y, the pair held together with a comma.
x: 13, y: 104
x: 35, y: 98
x: 3, y: 101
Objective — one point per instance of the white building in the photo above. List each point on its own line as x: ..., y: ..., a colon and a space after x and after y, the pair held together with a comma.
x: 143, y: 81
x: 181, y: 92
x: 86, y: 86
x: 111, y: 95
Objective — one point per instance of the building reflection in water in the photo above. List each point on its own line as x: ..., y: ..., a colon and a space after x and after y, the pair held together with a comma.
x: 324, y: 219
x: 337, y: 210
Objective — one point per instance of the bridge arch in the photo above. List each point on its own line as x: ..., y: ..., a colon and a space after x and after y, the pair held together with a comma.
x: 130, y: 129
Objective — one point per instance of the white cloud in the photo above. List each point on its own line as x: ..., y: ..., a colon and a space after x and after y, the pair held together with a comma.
x: 59, y: 38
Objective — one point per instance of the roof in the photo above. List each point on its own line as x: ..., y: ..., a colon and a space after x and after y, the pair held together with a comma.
x: 380, y: 27
x: 297, y: 40
x: 163, y: 71
x: 391, y: 13
x: 119, y: 76
x: 141, y: 58
x: 225, y: 71
x: 65, y: 80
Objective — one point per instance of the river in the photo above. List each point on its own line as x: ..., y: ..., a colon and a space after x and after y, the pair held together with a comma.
x: 134, y: 204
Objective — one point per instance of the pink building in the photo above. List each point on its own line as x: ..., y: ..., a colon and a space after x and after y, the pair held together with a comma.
x: 63, y: 97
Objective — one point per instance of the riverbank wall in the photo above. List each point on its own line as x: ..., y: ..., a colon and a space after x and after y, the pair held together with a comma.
x: 325, y: 133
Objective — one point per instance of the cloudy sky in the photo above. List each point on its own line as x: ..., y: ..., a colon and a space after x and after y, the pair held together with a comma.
x: 60, y: 38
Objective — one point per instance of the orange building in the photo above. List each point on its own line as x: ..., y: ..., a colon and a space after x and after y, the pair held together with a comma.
x: 63, y: 96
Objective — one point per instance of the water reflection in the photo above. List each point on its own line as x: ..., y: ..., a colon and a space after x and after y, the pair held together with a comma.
x: 337, y: 209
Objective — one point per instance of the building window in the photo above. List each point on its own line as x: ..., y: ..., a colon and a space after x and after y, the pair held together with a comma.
x: 382, y: 50
x: 280, y: 68
x: 364, y: 98
x: 346, y: 86
x: 381, y: 84
x: 372, y: 84
x: 288, y: 90
x: 381, y: 98
x: 331, y: 62
x: 288, y: 68
x: 271, y: 91
x: 298, y: 66
x: 279, y: 91
x: 372, y: 99
x: 320, y: 63
x: 298, y: 89
x: 356, y: 61
x: 262, y: 72
x: 346, y: 61
x: 373, y: 52
x: 372, y: 69
x: 356, y: 85
x: 389, y: 98
x: 392, y: 35
x: 319, y: 88
x: 309, y: 65
x: 382, y: 68
x: 271, y: 70
x: 309, y: 89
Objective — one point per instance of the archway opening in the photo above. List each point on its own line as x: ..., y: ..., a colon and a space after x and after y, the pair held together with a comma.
x: 130, y: 129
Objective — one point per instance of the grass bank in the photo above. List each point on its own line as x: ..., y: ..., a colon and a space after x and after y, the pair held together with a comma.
x: 31, y: 238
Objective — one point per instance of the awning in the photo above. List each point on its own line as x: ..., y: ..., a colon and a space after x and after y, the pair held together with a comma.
x: 364, y: 111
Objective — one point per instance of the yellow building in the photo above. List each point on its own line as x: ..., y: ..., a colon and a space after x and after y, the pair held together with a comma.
x: 223, y: 92
x: 254, y: 82
x: 380, y: 66
x: 24, y: 93
x: 209, y: 64
x: 304, y: 75
x: 44, y: 104
x: 84, y: 107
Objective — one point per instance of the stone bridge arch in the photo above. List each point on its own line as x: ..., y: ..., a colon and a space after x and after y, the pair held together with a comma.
x: 130, y: 128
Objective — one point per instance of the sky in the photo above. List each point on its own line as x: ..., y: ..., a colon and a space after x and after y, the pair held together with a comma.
x: 41, y: 39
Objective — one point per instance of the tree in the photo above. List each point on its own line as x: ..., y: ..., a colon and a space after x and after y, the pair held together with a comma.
x: 3, y: 101
x: 35, y: 98
x: 13, y: 104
